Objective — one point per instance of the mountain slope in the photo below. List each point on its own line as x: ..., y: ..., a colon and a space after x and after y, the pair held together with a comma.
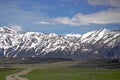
x: 101, y: 43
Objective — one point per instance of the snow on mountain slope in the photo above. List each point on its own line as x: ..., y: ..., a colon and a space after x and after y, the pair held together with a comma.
x: 8, y: 37
x: 6, y: 30
x: 94, y: 35
x: 94, y: 44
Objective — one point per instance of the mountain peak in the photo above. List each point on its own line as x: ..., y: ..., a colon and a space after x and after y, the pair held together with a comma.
x: 103, y: 30
x: 73, y: 35
x: 5, y: 29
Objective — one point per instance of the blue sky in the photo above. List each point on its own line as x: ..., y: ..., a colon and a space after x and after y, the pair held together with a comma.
x: 60, y: 16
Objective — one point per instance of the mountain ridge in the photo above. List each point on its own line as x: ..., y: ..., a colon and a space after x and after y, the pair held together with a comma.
x: 100, y: 43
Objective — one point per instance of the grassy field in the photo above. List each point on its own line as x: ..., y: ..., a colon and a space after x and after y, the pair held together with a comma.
x: 73, y: 74
x: 6, y: 71
x: 55, y: 69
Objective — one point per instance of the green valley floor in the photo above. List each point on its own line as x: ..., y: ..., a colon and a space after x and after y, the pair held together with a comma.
x: 73, y: 74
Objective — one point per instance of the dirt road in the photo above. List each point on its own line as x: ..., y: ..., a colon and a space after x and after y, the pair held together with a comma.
x: 16, y: 76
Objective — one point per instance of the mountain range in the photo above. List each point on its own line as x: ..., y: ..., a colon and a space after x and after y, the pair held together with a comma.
x: 102, y: 43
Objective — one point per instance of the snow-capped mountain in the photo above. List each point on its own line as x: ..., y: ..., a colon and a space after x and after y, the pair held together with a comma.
x: 101, y: 43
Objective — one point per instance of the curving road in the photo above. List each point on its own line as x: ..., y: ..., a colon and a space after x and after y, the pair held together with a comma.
x: 16, y: 76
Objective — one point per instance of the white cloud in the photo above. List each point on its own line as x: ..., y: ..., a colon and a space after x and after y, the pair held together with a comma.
x: 115, y: 3
x: 42, y: 22
x: 65, y: 20
x: 17, y: 28
x: 111, y: 16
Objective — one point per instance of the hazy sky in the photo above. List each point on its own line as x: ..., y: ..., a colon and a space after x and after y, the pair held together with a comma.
x: 60, y: 16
